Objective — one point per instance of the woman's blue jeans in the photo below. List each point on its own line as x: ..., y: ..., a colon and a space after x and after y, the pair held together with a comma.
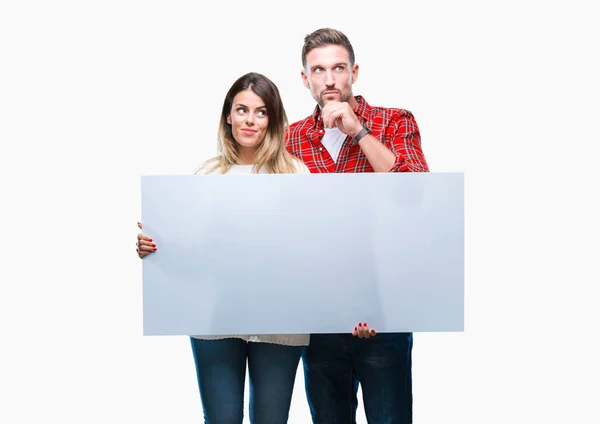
x: 221, y: 371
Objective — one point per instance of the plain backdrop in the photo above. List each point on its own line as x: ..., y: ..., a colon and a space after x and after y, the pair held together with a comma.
x: 94, y: 94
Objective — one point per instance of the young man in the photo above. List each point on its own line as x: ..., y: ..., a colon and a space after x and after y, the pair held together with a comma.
x: 346, y: 134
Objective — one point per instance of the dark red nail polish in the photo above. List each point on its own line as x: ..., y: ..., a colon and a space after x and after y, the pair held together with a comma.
x: 153, y: 245
x: 365, y: 324
x: 149, y: 239
x: 359, y: 324
x: 355, y: 329
x: 154, y: 248
x: 372, y: 331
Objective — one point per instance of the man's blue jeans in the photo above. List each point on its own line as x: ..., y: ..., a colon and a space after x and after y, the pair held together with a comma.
x: 221, y: 371
x: 334, y: 364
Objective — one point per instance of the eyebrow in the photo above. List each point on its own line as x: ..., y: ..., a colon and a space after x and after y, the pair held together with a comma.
x: 243, y: 105
x: 333, y: 66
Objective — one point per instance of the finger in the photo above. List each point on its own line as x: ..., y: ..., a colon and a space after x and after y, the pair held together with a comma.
x: 355, y: 332
x: 360, y: 331
x: 140, y: 225
x: 324, y: 115
x: 327, y: 115
x: 142, y: 236
x: 366, y: 331
x: 365, y: 328
x: 145, y: 246
x: 334, y: 118
x: 146, y: 243
x: 142, y: 252
x: 373, y: 332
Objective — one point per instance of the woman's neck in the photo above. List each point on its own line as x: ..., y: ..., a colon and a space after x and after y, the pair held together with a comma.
x: 246, y: 155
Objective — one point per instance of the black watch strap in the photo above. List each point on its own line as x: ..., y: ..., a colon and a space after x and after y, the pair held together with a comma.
x: 362, y: 133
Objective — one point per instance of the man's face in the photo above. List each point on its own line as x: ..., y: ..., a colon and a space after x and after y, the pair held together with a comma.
x: 328, y: 74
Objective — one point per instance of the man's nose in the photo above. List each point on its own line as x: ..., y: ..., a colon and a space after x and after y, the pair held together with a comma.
x: 329, y: 81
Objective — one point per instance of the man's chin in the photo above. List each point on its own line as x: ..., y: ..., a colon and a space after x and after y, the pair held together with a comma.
x: 329, y: 98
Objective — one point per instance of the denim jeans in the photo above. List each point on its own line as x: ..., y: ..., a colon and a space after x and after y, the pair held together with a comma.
x: 335, y: 364
x: 221, y: 371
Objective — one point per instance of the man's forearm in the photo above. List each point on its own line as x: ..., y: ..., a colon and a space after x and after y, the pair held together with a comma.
x: 380, y: 157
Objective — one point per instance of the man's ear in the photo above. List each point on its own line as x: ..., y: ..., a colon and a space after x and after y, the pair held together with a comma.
x: 354, y: 73
x: 304, y: 79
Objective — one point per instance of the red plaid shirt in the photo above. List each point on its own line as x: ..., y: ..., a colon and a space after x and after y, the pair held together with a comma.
x: 395, y: 128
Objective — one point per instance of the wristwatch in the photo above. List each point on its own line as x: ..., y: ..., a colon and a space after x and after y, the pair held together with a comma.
x: 362, y: 133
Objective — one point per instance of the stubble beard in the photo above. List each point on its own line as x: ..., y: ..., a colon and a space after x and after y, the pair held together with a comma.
x: 343, y: 98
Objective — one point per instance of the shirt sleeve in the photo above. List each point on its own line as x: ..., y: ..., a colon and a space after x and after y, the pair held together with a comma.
x: 406, y: 145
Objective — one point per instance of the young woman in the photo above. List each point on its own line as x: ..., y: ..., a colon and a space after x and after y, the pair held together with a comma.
x: 251, y: 139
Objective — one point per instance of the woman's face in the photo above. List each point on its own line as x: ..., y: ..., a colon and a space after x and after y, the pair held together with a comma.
x: 248, y: 119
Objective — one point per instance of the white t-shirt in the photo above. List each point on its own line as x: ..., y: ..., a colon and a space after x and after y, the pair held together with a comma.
x: 283, y: 339
x: 333, y: 140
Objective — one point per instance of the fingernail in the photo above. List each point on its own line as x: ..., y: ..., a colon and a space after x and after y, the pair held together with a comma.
x: 365, y: 324
x: 372, y: 331
x: 154, y: 248
x: 149, y: 239
x: 355, y: 329
x: 359, y: 324
x: 153, y: 245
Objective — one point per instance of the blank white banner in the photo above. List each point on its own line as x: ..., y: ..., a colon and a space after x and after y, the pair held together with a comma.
x: 303, y: 253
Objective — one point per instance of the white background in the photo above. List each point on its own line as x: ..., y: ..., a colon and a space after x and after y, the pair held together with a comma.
x: 96, y: 93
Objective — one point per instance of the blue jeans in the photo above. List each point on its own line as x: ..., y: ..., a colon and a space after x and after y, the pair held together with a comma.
x: 221, y: 371
x: 334, y: 365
